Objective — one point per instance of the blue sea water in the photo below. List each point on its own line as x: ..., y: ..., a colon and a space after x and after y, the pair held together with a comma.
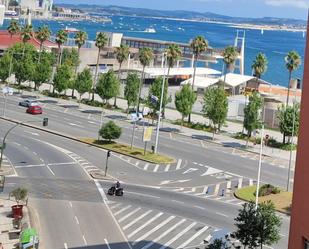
x: 275, y: 44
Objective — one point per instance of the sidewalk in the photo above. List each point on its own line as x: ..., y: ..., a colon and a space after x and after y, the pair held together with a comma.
x: 225, y: 138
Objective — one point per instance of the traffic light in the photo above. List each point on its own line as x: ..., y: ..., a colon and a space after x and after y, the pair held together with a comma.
x: 108, y: 153
x: 45, y: 121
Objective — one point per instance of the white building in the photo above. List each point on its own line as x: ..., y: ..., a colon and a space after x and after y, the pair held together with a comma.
x: 37, y: 7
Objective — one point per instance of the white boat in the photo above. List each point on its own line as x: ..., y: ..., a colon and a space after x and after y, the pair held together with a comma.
x: 304, y: 33
x: 150, y: 30
x: 262, y: 31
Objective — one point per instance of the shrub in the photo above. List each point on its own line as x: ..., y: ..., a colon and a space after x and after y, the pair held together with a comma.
x: 20, y: 194
x: 268, y: 189
x: 110, y: 131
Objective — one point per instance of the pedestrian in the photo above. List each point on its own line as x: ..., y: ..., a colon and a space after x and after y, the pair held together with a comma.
x: 1, y: 246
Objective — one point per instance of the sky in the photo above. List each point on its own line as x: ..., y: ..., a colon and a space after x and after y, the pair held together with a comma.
x: 241, y: 8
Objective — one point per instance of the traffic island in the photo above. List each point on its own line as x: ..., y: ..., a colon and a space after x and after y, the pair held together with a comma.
x: 124, y: 149
x: 282, y: 199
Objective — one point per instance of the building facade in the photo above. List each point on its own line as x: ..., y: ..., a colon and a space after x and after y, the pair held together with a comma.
x: 299, y: 229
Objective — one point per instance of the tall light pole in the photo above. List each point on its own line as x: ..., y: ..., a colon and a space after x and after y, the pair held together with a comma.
x: 161, y: 103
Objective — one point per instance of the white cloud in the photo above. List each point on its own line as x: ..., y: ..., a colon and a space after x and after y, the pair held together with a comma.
x: 303, y: 4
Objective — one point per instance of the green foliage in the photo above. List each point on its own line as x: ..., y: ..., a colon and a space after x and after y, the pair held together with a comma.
x: 292, y: 61
x: 43, y: 69
x: 268, y: 189
x: 195, y: 126
x: 70, y: 57
x: 110, y: 131
x: 43, y: 34
x: 173, y: 54
x: 61, y: 37
x: 92, y: 103
x: 24, y: 68
x: 156, y: 89
x: 13, y: 28
x: 252, y: 113
x: 108, y: 86
x: 20, y: 194
x: 286, y: 116
x: 62, y: 78
x: 215, y: 106
x: 131, y: 89
x: 257, y: 226
x: 145, y: 56
x: 230, y: 54
x: 122, y: 53
x: 184, y: 100
x: 26, y: 33
x: 101, y: 40
x: 198, y: 45
x: 83, y: 82
x: 5, y: 63
x: 259, y: 65
x: 218, y: 244
x: 80, y: 38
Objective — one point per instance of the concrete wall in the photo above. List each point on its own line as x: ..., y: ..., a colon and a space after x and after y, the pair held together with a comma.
x: 299, y: 229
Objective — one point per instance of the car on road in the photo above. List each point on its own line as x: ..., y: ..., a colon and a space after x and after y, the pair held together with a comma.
x: 28, y: 102
x: 34, y: 109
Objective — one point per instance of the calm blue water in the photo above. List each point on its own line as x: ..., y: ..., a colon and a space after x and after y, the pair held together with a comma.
x: 275, y: 44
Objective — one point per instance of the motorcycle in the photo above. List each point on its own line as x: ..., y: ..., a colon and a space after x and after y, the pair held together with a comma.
x: 115, y: 191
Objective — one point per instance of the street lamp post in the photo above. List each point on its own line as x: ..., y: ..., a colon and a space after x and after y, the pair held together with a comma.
x: 161, y: 103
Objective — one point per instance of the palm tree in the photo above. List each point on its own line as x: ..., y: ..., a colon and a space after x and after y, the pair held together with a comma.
x: 43, y: 34
x: 26, y: 33
x: 61, y: 38
x: 230, y: 54
x: 13, y: 27
x: 293, y: 61
x: 145, y: 57
x: 100, y: 42
x: 122, y: 54
x: 80, y: 40
x: 173, y: 54
x: 198, y: 45
x: 259, y: 65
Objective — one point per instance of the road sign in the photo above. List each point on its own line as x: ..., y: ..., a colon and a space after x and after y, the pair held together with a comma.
x: 147, y: 134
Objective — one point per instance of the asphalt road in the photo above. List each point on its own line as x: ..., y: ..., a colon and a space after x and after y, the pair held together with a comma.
x: 193, y: 193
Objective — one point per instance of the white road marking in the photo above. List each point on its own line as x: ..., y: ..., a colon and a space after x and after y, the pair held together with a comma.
x: 117, y: 205
x: 29, y: 166
x: 65, y: 110
x: 167, y: 167
x: 199, y: 207
x: 144, y: 225
x: 101, y: 191
x: 35, y: 153
x: 211, y: 171
x: 71, y: 205
x: 179, y: 163
x: 122, y: 210
x: 190, y: 170
x: 91, y: 122
x: 107, y: 244
x: 136, y: 220
x: 55, y: 164
x: 151, y: 196
x: 146, y: 166
x: 76, y: 219
x: 156, y: 168
x: 217, y: 189
x: 145, y: 235
x: 228, y: 187
x: 178, y: 235
x: 174, y: 181
x: 250, y: 182
x: 85, y: 241
x: 32, y: 133
x: 163, y: 234
x: 224, y: 215
x: 128, y: 215
x: 50, y: 170
x: 65, y: 246
x: 178, y: 201
x: 240, y: 183
x: 72, y: 124
x: 190, y: 239
x: 17, y: 144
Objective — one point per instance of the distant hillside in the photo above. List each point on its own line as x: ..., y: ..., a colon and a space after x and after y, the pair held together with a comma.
x: 182, y: 14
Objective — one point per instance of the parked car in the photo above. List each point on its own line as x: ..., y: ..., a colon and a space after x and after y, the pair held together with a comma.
x: 34, y: 109
x: 28, y: 102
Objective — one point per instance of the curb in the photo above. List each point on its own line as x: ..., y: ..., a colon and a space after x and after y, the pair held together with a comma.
x: 73, y: 138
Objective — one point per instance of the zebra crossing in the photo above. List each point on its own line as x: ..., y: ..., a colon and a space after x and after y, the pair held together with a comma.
x: 155, y: 168
x: 7, y: 167
x: 223, y: 191
x: 147, y: 228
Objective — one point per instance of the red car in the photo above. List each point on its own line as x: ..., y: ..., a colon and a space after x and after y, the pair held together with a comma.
x: 35, y: 109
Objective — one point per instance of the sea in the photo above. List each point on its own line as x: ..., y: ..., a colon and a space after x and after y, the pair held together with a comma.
x: 274, y: 44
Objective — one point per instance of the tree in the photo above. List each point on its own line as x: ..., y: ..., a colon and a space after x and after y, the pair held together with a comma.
x: 43, y: 34
x: 173, y: 54
x: 218, y: 244
x: 122, y: 54
x: 287, y: 115
x: 131, y: 90
x: 43, y: 69
x: 83, y: 82
x: 108, y: 86
x: 230, y: 54
x: 26, y: 33
x: 293, y: 61
x: 70, y: 57
x: 62, y: 78
x: 145, y: 57
x: 110, y: 131
x: 13, y: 28
x: 215, y: 107
x: 100, y: 42
x: 184, y: 100
x: 246, y: 223
x: 259, y: 65
x: 61, y: 38
x: 20, y: 194
x: 80, y: 40
x: 5, y: 64
x: 198, y: 46
x: 155, y: 90
x: 252, y: 119
x: 24, y: 68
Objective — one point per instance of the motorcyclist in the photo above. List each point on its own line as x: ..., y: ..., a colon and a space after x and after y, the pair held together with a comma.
x: 117, y: 185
